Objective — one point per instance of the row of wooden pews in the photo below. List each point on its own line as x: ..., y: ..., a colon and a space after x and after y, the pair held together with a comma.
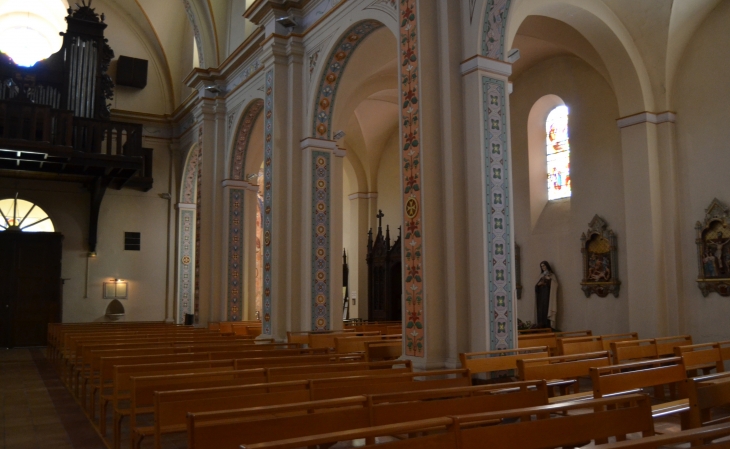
x: 329, y: 390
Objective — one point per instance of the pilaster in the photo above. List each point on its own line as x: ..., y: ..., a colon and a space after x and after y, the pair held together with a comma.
x: 650, y: 200
x: 493, y: 321
x: 322, y: 237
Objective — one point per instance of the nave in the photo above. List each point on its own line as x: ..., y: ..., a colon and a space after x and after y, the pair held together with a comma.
x: 168, y: 386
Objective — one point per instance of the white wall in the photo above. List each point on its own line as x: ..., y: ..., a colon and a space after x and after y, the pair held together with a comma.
x: 121, y: 211
x: 597, y: 181
x: 390, y: 200
x: 701, y: 99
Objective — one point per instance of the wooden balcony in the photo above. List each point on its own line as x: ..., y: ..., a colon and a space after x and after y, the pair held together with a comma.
x: 40, y: 142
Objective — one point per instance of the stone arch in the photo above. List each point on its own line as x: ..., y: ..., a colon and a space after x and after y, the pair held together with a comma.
x: 243, y: 137
x: 603, y: 30
x: 333, y: 69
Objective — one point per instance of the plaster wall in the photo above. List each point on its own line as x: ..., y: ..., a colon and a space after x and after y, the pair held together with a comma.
x: 388, y: 187
x: 121, y: 211
x: 597, y: 181
x: 126, y: 39
x: 701, y: 99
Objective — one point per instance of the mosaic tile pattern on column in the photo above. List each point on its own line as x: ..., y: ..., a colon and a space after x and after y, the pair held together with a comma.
x: 320, y: 241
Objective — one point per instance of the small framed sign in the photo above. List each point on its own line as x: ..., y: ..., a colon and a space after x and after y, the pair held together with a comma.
x: 116, y: 289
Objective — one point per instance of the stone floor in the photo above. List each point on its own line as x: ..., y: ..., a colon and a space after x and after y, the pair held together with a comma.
x: 36, y: 410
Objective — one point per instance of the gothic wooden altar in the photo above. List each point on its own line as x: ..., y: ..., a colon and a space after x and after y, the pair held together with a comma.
x: 384, y: 275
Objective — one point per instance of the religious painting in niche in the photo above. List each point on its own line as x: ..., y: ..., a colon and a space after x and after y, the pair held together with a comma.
x: 713, y: 250
x: 600, y: 261
x: 558, y: 154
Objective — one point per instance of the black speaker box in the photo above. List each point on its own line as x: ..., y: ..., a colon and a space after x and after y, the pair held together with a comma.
x: 132, y: 72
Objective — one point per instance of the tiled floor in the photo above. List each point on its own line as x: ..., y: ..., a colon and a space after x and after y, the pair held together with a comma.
x: 36, y: 410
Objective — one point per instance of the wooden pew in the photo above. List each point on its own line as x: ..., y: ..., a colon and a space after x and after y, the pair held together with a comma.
x: 171, y: 407
x: 570, y: 367
x: 123, y: 383
x: 493, y: 362
x: 704, y: 437
x: 570, y: 334
x: 323, y: 371
x: 383, y: 350
x: 704, y: 356
x: 582, y: 345
x: 327, y: 340
x: 612, y: 417
x: 143, y: 389
x: 303, y: 337
x: 349, y: 344
x: 706, y: 393
x: 629, y: 377
x: 542, y: 330
x: 538, y: 340
x: 228, y: 429
x: 636, y: 350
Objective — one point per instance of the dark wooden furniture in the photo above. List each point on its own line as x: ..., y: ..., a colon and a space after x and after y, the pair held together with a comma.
x: 54, y: 119
x: 30, y: 278
x: 384, y: 275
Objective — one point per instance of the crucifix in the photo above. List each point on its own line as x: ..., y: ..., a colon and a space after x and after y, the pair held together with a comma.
x: 380, y: 218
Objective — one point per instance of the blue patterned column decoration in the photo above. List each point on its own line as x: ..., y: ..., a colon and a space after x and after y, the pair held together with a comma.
x: 186, y: 264
x: 321, y: 240
x: 235, y: 255
x: 498, y: 199
x: 495, y: 24
x: 268, y: 197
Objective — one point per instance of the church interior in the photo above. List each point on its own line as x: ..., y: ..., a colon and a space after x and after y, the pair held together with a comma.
x: 421, y: 217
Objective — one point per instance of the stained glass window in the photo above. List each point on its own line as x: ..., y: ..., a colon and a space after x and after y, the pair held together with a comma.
x: 558, y: 154
x: 21, y: 215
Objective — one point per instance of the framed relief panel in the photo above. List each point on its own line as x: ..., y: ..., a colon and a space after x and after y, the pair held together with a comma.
x: 713, y: 250
x: 600, y: 261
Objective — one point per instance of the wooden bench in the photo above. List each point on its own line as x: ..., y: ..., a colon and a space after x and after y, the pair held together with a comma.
x: 228, y: 429
x: 285, y: 373
x: 349, y: 344
x: 538, y: 340
x: 566, y: 368
x: 706, y: 393
x: 612, y: 417
x: 327, y: 340
x: 123, y: 383
x: 629, y: 377
x: 383, y: 350
x: 703, y: 437
x: 704, y: 357
x: 303, y: 337
x: 636, y: 350
x: 492, y: 363
x: 171, y: 407
x: 143, y: 389
x: 582, y: 345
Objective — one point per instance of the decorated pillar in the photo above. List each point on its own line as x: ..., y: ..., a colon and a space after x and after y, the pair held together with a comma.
x: 240, y: 207
x: 322, y: 268
x: 490, y: 222
x: 185, y: 294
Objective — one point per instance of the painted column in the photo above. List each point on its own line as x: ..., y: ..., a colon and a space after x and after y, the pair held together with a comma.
x: 274, y: 313
x: 490, y: 222
x: 646, y: 226
x: 185, y: 260
x: 238, y: 211
x: 322, y: 249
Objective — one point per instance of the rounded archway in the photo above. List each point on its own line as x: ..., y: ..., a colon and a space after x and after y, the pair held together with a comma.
x: 22, y: 215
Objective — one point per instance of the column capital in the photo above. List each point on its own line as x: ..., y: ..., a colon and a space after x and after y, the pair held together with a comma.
x: 655, y: 118
x: 238, y: 184
x: 484, y: 64
x: 274, y: 50
x: 313, y: 143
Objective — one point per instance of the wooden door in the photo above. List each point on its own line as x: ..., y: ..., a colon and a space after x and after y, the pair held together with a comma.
x: 30, y: 283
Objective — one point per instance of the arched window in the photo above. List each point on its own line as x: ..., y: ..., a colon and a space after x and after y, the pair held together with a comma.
x: 29, y: 29
x: 21, y: 215
x: 557, y: 146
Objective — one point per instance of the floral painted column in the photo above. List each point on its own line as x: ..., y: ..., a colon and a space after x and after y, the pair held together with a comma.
x: 322, y: 199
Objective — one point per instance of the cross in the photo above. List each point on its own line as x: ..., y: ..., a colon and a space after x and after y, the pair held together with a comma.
x: 380, y: 218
